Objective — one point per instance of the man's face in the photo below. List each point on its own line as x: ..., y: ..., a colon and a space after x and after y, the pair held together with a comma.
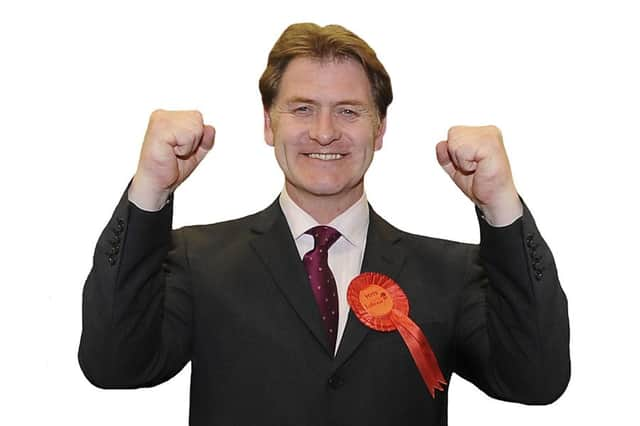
x: 324, y: 128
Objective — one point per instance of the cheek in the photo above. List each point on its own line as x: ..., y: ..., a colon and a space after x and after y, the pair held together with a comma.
x: 287, y: 148
x: 281, y: 155
x: 290, y: 137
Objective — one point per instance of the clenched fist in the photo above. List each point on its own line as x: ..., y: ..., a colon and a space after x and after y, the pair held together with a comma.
x: 174, y: 145
x: 475, y: 159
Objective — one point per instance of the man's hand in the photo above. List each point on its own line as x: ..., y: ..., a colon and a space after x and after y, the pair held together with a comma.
x: 475, y: 158
x: 174, y: 145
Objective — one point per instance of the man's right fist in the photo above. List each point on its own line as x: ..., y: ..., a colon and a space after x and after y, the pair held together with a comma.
x: 174, y: 145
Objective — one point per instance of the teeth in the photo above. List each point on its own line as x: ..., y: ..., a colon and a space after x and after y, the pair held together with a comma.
x: 325, y: 157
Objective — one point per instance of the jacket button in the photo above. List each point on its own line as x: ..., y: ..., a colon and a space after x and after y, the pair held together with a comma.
x: 335, y: 381
x: 111, y: 260
x: 539, y: 275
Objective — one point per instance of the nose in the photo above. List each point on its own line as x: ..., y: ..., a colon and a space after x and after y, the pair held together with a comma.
x: 324, y: 129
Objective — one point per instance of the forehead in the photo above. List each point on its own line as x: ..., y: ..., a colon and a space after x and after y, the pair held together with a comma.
x: 324, y: 80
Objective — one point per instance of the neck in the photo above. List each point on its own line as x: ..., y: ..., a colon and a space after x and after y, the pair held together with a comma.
x: 324, y: 208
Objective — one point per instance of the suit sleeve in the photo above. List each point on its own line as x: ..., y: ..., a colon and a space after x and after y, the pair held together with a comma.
x: 136, y: 304
x: 512, y: 332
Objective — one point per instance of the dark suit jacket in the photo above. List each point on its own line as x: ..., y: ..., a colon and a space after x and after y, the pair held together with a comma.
x: 233, y: 298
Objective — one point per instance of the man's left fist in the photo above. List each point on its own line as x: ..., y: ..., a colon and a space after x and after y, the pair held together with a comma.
x: 475, y: 158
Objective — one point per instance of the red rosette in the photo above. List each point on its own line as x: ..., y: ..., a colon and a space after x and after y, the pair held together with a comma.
x: 380, y: 304
x: 373, y: 296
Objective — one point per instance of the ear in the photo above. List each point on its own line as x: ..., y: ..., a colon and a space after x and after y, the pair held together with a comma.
x: 268, y: 130
x: 382, y: 127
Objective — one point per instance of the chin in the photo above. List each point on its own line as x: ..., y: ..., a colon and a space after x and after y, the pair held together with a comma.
x: 318, y: 188
x: 324, y: 191
x: 327, y: 189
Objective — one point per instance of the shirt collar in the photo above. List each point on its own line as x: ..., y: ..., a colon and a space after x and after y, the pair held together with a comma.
x: 352, y: 223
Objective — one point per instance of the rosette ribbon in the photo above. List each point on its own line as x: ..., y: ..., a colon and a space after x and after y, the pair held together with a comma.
x: 380, y: 304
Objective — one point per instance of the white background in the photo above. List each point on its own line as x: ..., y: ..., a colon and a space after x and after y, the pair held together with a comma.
x: 79, y: 79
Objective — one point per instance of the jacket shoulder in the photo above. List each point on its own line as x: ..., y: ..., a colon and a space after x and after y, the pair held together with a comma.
x: 223, y: 234
x: 418, y: 243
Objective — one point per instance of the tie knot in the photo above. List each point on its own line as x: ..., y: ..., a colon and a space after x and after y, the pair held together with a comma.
x: 324, y: 236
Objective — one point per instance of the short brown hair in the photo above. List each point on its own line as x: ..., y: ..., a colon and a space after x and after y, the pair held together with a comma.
x: 328, y: 42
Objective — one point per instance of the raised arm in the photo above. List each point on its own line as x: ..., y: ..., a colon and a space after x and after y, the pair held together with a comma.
x: 136, y: 306
x: 512, y: 332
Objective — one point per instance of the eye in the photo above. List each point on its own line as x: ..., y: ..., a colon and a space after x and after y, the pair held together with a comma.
x: 348, y: 113
x: 302, y: 110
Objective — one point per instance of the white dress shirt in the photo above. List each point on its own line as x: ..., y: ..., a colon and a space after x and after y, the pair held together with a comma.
x: 345, y: 255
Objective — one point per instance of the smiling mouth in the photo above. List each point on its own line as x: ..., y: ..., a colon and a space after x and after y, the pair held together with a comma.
x: 325, y: 157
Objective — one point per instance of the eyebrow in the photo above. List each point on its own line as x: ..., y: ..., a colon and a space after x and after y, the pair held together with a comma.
x: 303, y: 100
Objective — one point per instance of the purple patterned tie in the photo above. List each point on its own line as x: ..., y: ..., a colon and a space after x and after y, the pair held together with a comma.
x: 322, y: 281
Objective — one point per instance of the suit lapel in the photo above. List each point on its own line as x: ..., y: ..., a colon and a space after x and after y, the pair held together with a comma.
x: 277, y: 250
x: 382, y: 255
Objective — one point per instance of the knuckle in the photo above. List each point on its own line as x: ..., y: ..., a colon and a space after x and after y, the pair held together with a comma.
x: 195, y: 121
x: 459, y: 132
x: 494, y: 133
x: 194, y: 116
x: 195, y: 132
x: 153, y: 117
x: 493, y: 129
x: 157, y: 115
x: 183, y: 139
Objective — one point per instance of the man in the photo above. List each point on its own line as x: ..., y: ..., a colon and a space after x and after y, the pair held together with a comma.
x: 269, y: 341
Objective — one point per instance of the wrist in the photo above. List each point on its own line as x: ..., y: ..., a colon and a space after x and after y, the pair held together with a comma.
x: 503, y: 211
x: 147, y: 196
